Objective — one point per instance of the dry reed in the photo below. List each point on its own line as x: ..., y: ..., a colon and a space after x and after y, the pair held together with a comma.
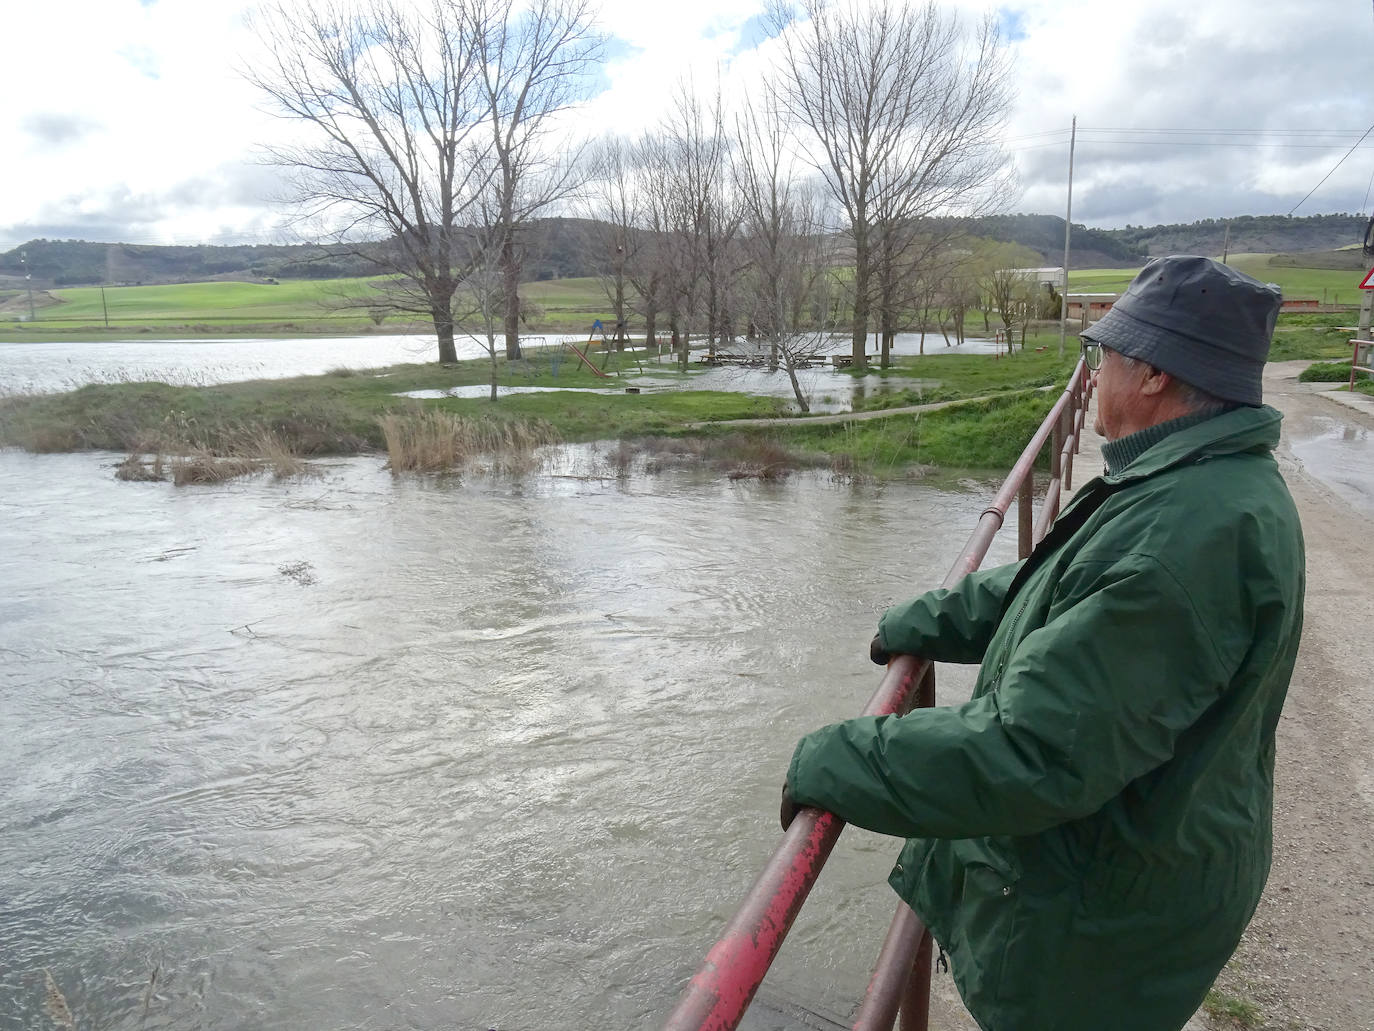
x: 434, y: 441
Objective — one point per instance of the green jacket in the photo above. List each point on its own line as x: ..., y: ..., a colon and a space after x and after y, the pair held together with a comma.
x: 1091, y: 832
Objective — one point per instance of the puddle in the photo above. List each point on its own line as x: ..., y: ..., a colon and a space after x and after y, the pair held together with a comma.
x: 1339, y: 454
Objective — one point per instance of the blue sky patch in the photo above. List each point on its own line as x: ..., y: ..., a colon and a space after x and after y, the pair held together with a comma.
x: 752, y: 33
x: 1012, y: 22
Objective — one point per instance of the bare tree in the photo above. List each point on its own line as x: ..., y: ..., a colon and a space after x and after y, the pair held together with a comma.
x: 392, y: 162
x: 692, y: 171
x: 901, y: 117
x: 650, y: 267
x: 958, y: 288
x: 1011, y: 291
x: 788, y: 250
x: 613, y: 202
x: 532, y: 64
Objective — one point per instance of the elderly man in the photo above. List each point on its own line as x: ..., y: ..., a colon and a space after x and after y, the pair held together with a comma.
x: 1090, y: 834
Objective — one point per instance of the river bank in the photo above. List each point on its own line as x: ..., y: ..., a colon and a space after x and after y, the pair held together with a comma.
x: 617, y: 396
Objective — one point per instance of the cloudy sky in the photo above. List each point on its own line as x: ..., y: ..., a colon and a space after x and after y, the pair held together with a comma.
x: 128, y: 120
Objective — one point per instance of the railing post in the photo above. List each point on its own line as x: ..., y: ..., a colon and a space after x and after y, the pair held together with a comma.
x: 915, y: 1013
x: 1024, y: 515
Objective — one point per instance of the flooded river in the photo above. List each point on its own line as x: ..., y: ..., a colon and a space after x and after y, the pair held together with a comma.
x: 42, y: 367
x: 363, y: 752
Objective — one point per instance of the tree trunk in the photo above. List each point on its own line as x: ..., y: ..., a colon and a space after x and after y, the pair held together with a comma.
x: 796, y: 387
x: 650, y: 330
x: 443, y: 329
x: 686, y: 341
x: 491, y: 351
x: 510, y: 275
x: 620, y: 311
x: 859, y: 350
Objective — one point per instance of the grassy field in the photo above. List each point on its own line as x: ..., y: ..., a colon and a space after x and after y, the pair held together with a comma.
x: 330, y: 306
x: 1327, y: 285
x: 315, y: 307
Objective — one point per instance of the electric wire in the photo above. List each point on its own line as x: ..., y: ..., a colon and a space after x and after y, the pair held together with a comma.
x: 1333, y: 170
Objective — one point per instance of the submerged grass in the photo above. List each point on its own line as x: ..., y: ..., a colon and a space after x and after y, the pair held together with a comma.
x: 178, y: 455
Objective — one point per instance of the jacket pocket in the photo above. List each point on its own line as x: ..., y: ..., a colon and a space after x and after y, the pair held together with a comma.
x: 987, y: 911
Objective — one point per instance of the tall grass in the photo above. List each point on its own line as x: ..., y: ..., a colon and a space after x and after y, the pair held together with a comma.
x: 432, y: 441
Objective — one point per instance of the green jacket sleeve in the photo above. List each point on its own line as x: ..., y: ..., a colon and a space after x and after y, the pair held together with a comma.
x: 1086, y: 703
x: 950, y: 624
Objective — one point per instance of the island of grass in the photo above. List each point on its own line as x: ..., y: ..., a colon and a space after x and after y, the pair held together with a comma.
x: 346, y: 412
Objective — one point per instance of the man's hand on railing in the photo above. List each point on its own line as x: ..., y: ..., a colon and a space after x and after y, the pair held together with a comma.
x: 789, y: 807
x: 877, y: 653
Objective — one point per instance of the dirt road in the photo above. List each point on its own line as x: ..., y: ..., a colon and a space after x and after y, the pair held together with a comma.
x: 1307, y: 961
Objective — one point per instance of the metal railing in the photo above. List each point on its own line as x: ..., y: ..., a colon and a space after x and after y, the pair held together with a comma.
x: 1368, y: 348
x: 721, y: 991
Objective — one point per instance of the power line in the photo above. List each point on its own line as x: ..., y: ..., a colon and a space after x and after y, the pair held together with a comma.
x: 1333, y: 169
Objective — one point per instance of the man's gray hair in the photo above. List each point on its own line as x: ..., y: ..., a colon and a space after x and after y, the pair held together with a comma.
x: 1198, y: 402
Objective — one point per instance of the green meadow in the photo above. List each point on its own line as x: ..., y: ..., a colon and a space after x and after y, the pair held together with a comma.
x: 288, y: 307
x: 1327, y: 285
x: 342, y: 306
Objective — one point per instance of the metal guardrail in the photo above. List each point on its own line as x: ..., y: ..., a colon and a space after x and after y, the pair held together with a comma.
x: 721, y: 991
x: 1355, y: 366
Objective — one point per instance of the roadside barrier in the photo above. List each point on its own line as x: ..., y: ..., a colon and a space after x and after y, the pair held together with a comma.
x: 721, y: 991
x: 1364, y: 351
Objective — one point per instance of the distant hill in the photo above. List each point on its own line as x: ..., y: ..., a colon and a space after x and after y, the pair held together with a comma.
x: 1249, y: 234
x: 566, y: 247
x: 57, y: 263
x: 1044, y: 234
x: 1294, y: 239
x: 556, y: 249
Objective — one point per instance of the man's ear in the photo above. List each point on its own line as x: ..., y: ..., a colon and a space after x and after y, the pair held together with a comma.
x: 1155, y: 382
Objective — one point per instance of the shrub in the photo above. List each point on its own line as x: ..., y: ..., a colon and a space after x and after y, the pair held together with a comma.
x: 1329, y: 372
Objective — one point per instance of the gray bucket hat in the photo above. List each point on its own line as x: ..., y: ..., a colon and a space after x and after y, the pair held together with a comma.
x: 1198, y: 320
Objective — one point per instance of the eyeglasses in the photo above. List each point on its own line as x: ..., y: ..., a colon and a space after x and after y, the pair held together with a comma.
x: 1092, y: 355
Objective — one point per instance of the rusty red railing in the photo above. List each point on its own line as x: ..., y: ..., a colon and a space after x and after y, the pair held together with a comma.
x: 721, y: 991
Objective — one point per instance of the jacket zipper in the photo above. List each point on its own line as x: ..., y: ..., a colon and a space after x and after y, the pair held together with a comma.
x: 1011, y: 630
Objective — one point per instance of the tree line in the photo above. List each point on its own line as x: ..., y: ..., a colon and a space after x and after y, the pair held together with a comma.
x: 831, y: 197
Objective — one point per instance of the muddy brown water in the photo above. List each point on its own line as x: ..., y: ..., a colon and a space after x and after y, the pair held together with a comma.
x: 363, y: 751
x: 359, y: 751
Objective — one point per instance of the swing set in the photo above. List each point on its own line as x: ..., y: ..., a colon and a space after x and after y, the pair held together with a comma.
x: 581, y: 352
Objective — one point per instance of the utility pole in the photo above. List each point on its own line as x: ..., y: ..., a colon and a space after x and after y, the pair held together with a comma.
x: 1226, y: 244
x: 104, y: 307
x: 1068, y: 225
x: 28, y: 279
